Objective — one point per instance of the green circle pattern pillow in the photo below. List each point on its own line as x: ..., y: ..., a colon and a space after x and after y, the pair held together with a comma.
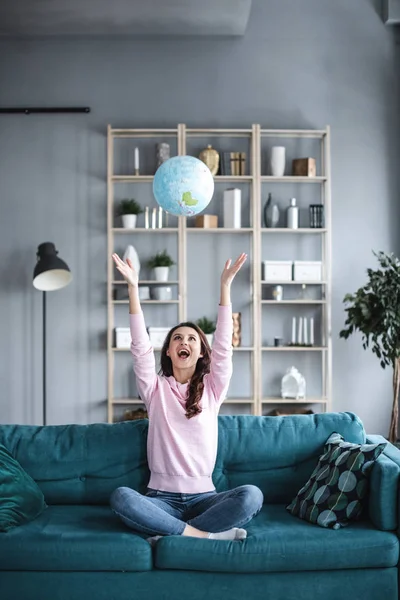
x: 333, y: 495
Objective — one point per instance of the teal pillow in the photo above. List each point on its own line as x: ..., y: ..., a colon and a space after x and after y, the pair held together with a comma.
x: 333, y: 495
x: 21, y: 499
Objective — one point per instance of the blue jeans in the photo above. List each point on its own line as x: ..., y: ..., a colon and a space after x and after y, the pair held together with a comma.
x: 167, y: 513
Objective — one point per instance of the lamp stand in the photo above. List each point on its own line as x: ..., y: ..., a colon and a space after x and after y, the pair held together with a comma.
x: 44, y: 359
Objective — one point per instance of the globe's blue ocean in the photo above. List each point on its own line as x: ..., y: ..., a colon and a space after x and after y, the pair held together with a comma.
x: 183, y: 186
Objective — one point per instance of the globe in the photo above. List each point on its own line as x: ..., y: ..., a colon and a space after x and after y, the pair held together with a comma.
x: 183, y: 186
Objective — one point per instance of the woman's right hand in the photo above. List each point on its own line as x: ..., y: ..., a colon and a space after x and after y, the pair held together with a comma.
x: 127, y: 271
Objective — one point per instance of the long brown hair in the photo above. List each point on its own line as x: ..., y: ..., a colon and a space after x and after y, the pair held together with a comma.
x: 196, y: 385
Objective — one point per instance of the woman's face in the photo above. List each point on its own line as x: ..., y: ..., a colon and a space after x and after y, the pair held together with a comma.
x: 184, y: 348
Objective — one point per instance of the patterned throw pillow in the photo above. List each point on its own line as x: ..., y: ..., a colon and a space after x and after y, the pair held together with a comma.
x: 333, y: 495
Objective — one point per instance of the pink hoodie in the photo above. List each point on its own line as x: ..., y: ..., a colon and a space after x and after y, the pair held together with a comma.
x: 181, y: 452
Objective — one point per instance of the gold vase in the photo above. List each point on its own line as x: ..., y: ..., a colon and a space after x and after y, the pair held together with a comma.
x: 210, y: 157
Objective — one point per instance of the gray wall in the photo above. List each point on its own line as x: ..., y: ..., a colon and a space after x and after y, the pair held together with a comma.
x: 300, y: 64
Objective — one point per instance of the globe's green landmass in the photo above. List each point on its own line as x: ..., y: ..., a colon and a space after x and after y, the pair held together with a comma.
x: 188, y: 200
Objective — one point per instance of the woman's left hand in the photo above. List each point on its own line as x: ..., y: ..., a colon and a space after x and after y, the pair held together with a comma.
x: 229, y: 272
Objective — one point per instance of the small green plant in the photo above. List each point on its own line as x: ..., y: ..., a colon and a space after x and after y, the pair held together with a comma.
x: 161, y: 259
x: 129, y: 206
x: 206, y: 325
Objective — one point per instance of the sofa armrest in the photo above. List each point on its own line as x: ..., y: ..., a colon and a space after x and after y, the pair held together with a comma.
x: 384, y: 483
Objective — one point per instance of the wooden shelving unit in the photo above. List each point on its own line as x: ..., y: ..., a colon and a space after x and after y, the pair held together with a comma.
x: 258, y: 400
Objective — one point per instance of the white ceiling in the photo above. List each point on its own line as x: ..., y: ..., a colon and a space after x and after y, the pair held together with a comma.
x: 21, y: 18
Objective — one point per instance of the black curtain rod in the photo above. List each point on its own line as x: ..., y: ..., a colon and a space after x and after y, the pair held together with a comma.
x: 32, y: 110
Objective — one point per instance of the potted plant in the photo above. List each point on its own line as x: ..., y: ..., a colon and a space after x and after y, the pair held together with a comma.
x: 160, y: 263
x: 374, y: 310
x: 129, y: 209
x: 208, y: 327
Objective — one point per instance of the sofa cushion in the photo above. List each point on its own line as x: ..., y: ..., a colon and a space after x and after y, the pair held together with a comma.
x: 74, y: 538
x: 333, y: 495
x: 21, y: 500
x: 278, y: 542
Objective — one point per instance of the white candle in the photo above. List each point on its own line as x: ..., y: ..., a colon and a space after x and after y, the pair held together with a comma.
x: 146, y: 217
x: 305, y: 331
x: 159, y: 217
x: 312, y: 331
x: 136, y: 159
x: 300, y: 334
x: 293, y: 330
x: 153, y: 218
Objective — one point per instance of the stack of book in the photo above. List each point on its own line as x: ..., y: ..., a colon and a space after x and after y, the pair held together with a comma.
x: 232, y: 163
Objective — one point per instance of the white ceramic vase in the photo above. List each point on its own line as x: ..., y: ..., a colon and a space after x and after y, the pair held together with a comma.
x: 129, y: 221
x: 277, y: 161
x: 131, y: 253
x: 210, y: 337
x: 161, y: 273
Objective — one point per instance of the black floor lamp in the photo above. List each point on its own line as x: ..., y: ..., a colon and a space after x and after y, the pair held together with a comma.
x: 50, y: 274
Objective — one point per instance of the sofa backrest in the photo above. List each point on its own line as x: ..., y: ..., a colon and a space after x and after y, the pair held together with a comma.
x: 83, y: 464
x: 278, y: 454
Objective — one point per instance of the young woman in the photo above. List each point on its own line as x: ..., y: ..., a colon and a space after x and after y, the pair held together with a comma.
x: 183, y: 402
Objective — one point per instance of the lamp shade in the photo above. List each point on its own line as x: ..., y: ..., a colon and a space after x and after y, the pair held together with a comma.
x: 51, y: 273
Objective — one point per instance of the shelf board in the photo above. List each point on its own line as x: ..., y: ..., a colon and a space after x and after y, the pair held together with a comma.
x: 289, y: 230
x: 228, y: 178
x: 294, y: 133
x: 243, y: 349
x: 132, y: 178
x: 294, y: 401
x: 292, y: 179
x: 126, y: 401
x: 148, y: 282
x: 147, y: 301
x: 238, y: 401
x: 218, y: 230
x: 294, y: 348
x: 293, y: 301
x: 263, y: 281
x: 144, y: 230
x: 196, y: 132
x: 117, y: 132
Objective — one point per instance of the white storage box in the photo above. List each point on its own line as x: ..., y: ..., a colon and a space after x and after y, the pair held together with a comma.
x: 157, y: 336
x: 122, y: 337
x: 277, y: 270
x: 304, y: 270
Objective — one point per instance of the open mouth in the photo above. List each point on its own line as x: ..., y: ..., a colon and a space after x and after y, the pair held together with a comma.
x: 183, y: 354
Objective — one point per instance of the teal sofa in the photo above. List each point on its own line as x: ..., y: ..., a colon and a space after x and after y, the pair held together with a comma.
x: 77, y: 549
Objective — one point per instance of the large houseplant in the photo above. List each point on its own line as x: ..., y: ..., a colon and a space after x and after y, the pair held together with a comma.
x: 374, y: 310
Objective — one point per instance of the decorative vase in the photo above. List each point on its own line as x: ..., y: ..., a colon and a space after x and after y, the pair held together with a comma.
x: 131, y: 253
x: 210, y: 157
x: 162, y: 153
x: 277, y: 161
x: 293, y: 384
x: 237, y: 329
x: 161, y: 273
x: 210, y: 337
x: 271, y: 213
x: 129, y: 221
